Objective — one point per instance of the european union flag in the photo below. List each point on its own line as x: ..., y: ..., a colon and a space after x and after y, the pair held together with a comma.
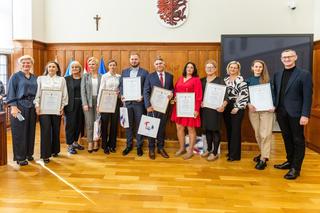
x: 102, y: 69
x: 68, y: 71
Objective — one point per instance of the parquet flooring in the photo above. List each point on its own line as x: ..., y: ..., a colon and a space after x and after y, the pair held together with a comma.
x: 99, y: 183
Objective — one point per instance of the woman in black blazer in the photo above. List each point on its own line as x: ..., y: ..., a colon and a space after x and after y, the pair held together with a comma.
x: 73, y: 111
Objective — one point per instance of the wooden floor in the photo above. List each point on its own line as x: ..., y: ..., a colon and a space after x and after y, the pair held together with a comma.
x: 99, y: 183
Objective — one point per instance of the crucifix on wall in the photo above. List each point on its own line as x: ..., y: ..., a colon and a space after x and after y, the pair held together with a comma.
x: 97, y: 18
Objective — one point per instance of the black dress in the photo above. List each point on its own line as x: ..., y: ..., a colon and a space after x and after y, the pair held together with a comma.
x: 210, y: 118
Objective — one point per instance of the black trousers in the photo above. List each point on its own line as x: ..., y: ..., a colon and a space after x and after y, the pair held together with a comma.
x: 213, y: 140
x: 293, y: 136
x: 74, y: 122
x: 50, y: 135
x: 135, y: 112
x: 233, y: 128
x: 161, y: 132
x: 109, y: 128
x: 23, y: 134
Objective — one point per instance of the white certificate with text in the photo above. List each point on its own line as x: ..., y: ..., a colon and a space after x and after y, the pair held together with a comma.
x: 261, y: 97
x: 132, y: 88
x: 50, y: 102
x: 185, y: 104
x: 214, y: 95
x: 108, y: 101
x: 159, y: 99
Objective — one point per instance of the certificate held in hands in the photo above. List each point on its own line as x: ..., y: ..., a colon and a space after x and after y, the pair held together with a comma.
x: 50, y: 102
x: 261, y: 97
x: 159, y: 99
x: 185, y: 104
x: 108, y: 101
x: 132, y: 88
x: 214, y: 95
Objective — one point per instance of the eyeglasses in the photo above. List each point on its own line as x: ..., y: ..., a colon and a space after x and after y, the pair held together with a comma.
x: 287, y: 57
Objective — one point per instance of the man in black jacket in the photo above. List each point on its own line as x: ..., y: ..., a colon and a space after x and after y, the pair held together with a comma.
x: 293, y: 99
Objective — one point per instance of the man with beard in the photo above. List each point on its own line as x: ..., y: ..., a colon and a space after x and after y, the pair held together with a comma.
x: 135, y: 108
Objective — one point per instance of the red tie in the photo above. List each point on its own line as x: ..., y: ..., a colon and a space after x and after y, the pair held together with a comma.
x: 161, y: 79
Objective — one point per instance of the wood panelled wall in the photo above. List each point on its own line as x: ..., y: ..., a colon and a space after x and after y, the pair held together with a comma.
x: 313, y: 128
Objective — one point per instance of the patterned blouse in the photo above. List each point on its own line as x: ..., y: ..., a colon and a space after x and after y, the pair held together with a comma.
x: 237, y: 91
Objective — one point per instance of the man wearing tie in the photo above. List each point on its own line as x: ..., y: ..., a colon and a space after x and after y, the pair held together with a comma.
x: 161, y: 79
x: 293, y: 98
x: 135, y: 108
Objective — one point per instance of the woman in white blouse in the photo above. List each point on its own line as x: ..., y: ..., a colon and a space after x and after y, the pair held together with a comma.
x: 50, y: 123
x: 90, y: 83
x: 110, y: 82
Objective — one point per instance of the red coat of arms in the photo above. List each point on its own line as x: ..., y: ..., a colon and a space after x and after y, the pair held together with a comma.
x: 172, y: 13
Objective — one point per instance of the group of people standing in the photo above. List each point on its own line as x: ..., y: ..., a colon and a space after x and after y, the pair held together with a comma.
x: 81, y: 93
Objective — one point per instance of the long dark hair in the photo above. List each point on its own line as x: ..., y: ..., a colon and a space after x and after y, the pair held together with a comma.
x: 58, y: 66
x: 195, y: 71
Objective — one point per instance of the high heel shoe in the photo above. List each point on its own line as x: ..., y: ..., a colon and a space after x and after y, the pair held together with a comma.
x: 180, y: 152
x: 95, y: 146
x: 90, y: 150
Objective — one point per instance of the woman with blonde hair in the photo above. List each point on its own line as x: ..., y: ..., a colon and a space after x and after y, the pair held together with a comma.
x: 73, y: 111
x: 90, y: 84
x: 50, y: 123
x: 22, y: 89
x: 262, y: 121
x: 238, y: 96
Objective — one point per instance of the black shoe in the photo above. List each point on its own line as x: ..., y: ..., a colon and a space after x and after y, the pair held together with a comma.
x: 30, y: 158
x: 112, y: 149
x: 22, y: 162
x: 257, y: 158
x: 152, y: 154
x: 292, y: 174
x: 55, y: 155
x: 72, y: 150
x: 139, y: 151
x: 261, y: 165
x: 47, y: 160
x: 285, y: 165
x: 163, y: 153
x: 106, y: 151
x: 126, y: 150
x: 232, y: 159
x: 77, y: 146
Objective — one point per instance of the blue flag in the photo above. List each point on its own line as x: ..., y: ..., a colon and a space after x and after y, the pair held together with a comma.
x: 102, y: 69
x: 68, y: 71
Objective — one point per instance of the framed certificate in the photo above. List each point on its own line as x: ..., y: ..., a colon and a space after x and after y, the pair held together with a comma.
x: 108, y: 101
x: 132, y: 88
x: 261, y: 97
x: 214, y: 95
x: 50, y: 102
x: 185, y: 104
x: 159, y: 99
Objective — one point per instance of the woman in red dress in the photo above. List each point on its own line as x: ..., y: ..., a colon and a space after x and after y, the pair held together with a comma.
x: 188, y: 82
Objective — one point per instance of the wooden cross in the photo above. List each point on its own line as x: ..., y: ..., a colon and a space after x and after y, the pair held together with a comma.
x: 97, y: 18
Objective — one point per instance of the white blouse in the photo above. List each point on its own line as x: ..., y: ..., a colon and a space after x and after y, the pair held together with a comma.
x: 55, y: 82
x: 109, y: 82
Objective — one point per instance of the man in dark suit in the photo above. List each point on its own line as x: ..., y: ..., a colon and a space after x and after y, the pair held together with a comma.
x: 293, y: 98
x: 135, y: 108
x: 161, y: 79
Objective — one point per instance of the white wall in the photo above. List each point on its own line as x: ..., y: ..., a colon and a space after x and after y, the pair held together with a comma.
x: 6, y: 43
x: 22, y: 19
x: 38, y: 20
x: 316, y: 20
x: 135, y: 20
